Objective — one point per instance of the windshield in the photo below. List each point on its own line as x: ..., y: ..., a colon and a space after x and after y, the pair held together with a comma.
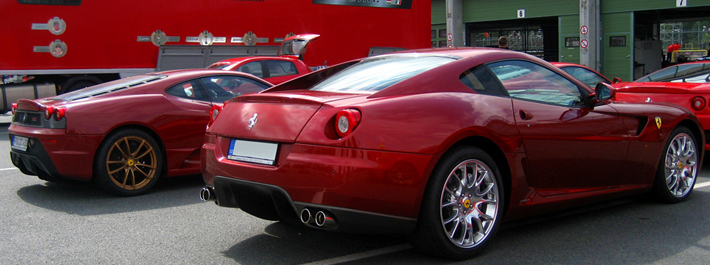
x: 689, y: 73
x: 376, y: 74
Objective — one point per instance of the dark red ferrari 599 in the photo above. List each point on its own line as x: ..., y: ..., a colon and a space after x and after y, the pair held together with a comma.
x: 442, y: 145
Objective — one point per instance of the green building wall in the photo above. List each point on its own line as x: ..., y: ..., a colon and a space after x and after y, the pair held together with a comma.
x: 617, y: 19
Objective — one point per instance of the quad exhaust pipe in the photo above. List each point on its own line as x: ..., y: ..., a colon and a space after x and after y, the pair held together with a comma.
x: 207, y: 194
x: 321, y: 218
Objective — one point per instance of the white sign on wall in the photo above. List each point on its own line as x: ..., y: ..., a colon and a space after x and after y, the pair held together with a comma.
x: 681, y: 3
x: 521, y: 13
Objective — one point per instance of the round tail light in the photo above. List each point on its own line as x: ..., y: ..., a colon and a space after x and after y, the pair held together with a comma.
x: 345, y: 121
x: 698, y: 103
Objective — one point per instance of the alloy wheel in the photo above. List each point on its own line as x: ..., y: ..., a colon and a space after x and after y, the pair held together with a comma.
x: 469, y: 204
x: 131, y: 163
x: 681, y: 165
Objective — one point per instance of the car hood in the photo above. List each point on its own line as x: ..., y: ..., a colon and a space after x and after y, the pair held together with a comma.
x: 276, y: 116
x: 662, y: 87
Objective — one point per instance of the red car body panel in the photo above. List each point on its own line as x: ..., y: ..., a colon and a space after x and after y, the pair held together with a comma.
x: 178, y: 124
x: 382, y: 168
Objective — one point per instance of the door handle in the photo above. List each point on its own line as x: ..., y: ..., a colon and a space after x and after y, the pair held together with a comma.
x: 525, y: 115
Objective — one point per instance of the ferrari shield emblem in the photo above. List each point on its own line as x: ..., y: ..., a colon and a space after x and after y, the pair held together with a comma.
x: 658, y: 122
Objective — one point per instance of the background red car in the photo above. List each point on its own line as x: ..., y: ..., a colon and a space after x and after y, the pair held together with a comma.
x: 123, y: 134
x: 442, y: 144
x: 275, y: 69
x: 686, y: 85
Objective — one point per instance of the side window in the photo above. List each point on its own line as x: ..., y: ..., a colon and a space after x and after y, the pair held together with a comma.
x: 281, y: 68
x: 587, y: 77
x: 253, y: 68
x: 190, y: 90
x: 223, y: 88
x: 526, y: 80
x: 482, y: 81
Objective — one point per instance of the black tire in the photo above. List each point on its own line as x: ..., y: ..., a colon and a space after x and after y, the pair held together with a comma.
x: 129, y: 162
x: 678, y: 168
x: 437, y: 231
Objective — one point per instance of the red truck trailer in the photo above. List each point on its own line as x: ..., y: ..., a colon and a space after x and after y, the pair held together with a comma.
x: 54, y: 46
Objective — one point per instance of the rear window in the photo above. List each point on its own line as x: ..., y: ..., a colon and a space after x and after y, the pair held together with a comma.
x: 376, y: 74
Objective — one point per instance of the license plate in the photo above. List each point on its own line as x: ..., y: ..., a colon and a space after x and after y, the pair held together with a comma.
x: 19, y: 143
x: 252, y: 152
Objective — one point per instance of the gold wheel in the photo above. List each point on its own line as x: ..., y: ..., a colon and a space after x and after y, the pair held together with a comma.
x: 131, y: 163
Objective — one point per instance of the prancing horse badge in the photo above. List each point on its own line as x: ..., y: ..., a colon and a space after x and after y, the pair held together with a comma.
x: 253, y: 121
x: 658, y: 122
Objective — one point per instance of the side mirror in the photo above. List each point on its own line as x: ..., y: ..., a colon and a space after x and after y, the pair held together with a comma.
x: 616, y: 80
x: 603, y: 92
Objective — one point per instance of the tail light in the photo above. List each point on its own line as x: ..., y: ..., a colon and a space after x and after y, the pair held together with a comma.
x: 698, y: 103
x: 57, y: 112
x: 14, y: 108
x: 48, y: 111
x: 346, y: 121
x: 214, y: 112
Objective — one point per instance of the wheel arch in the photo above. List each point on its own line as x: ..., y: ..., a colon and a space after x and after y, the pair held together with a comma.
x: 696, y: 129
x: 498, y: 156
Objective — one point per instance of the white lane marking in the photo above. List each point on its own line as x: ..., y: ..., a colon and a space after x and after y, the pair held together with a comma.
x: 702, y: 185
x: 362, y: 255
x: 9, y: 168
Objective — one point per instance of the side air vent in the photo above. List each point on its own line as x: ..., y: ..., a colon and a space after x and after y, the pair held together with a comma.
x: 643, y: 121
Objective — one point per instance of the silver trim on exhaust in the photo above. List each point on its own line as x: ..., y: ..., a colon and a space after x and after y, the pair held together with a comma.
x: 207, y: 194
x: 306, y: 216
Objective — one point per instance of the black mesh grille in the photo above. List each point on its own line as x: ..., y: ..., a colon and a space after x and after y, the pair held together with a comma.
x: 27, y: 118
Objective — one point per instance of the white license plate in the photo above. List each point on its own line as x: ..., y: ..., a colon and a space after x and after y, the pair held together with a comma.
x: 19, y: 143
x: 252, y: 152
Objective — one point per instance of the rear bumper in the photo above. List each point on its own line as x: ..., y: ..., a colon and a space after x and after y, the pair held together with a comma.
x: 366, y: 190
x: 53, y: 155
x: 274, y: 203
x: 35, y: 162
